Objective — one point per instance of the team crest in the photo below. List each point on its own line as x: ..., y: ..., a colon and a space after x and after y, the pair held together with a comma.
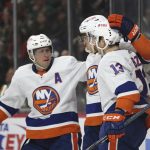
x: 45, y: 99
x: 92, y: 80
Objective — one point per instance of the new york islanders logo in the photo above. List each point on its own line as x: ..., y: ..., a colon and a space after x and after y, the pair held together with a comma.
x: 45, y: 99
x: 92, y: 80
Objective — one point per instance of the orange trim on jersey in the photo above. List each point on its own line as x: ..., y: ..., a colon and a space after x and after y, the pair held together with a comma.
x: 75, y: 141
x: 127, y: 102
x: 41, y: 72
x: 134, y: 111
x: 3, y: 116
x: 53, y: 132
x: 148, y: 111
x: 113, y: 141
x: 112, y: 145
x: 147, y: 121
x: 93, y: 121
x: 142, y: 46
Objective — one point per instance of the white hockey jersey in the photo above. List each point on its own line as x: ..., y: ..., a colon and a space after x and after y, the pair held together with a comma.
x: 93, y: 104
x: 120, y: 79
x: 51, y: 97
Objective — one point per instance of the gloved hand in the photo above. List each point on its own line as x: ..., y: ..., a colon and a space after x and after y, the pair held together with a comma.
x: 129, y: 30
x: 113, y: 124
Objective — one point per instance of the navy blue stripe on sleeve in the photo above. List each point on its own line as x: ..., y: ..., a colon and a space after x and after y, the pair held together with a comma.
x: 126, y: 87
x: 11, y: 110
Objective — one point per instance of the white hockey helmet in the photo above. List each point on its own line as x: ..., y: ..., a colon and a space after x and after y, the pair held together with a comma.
x: 102, y: 29
x: 37, y: 41
x: 87, y: 26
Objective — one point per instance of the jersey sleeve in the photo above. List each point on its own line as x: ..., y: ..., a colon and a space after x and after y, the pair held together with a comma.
x: 116, y: 74
x: 142, y: 46
x: 12, y: 99
x: 80, y: 68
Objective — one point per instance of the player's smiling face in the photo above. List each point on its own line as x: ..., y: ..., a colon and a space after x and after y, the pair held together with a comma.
x: 43, y: 56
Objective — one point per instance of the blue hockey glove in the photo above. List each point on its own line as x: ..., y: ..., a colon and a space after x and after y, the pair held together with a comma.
x: 129, y: 30
x: 113, y: 124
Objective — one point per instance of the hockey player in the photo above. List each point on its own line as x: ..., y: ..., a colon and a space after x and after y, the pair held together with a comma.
x: 49, y: 86
x: 131, y: 32
x: 94, y: 113
x: 123, y: 91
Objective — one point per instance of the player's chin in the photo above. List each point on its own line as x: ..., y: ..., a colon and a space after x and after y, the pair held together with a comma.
x: 46, y: 64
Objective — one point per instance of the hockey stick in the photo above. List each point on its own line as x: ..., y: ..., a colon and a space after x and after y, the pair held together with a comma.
x: 127, y: 122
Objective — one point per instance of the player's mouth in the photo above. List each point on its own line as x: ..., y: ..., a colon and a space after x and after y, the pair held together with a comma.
x: 46, y: 60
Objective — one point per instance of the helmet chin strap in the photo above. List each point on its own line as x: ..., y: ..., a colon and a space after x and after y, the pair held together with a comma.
x: 102, y: 49
x: 33, y: 60
x: 39, y: 66
x: 87, y: 50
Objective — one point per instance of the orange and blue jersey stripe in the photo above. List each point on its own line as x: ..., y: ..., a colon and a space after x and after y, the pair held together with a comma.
x: 55, y: 125
x: 9, y: 109
x: 93, y: 114
x: 128, y: 97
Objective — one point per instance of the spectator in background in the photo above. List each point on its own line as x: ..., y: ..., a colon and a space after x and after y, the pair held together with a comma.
x: 65, y: 53
x: 48, y: 17
x: 59, y: 27
x: 7, y: 80
x: 6, y: 32
x: 145, y: 26
x: 9, y: 75
x: 55, y: 54
x: 90, y: 8
x: 81, y: 54
x: 41, y: 23
x: 5, y: 65
x: 147, y: 72
x: 146, y: 22
x: 4, y: 3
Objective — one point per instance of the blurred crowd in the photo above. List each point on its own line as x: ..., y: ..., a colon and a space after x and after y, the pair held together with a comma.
x: 33, y: 17
x: 43, y: 16
x: 48, y: 17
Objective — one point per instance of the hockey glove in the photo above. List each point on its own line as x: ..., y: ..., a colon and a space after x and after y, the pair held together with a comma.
x: 129, y: 30
x: 113, y: 125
